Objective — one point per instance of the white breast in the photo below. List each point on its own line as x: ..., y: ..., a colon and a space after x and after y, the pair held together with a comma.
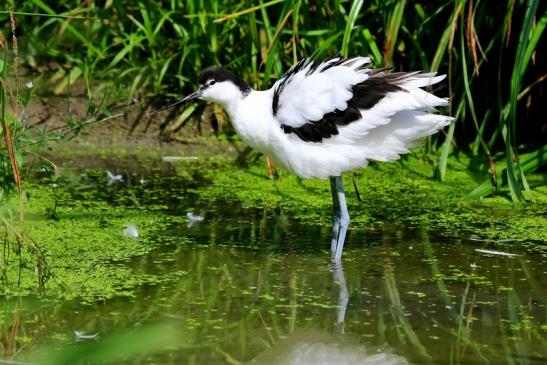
x: 253, y: 120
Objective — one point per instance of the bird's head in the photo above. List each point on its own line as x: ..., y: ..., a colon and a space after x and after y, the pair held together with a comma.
x: 218, y: 85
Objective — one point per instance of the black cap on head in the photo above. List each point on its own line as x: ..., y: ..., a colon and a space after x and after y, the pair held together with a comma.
x: 220, y: 74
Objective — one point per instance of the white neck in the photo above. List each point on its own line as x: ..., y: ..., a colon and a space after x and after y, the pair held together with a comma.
x: 232, y: 104
x: 251, y: 116
x: 225, y: 93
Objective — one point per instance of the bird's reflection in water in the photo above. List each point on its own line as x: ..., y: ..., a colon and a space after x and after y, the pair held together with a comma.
x: 339, y: 282
x: 319, y: 347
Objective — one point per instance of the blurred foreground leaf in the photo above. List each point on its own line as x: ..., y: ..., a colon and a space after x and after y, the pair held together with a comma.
x: 123, y: 345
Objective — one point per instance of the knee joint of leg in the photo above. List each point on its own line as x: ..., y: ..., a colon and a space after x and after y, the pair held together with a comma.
x: 345, y: 221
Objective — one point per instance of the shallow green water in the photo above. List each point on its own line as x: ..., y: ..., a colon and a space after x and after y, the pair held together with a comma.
x: 255, y: 285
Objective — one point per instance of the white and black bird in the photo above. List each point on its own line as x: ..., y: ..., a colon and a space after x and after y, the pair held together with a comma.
x: 322, y: 119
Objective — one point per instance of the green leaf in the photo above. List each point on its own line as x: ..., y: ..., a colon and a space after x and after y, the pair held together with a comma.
x: 350, y: 22
x: 42, y: 5
x: 394, y: 24
x: 371, y: 43
x: 68, y: 80
x: 528, y: 163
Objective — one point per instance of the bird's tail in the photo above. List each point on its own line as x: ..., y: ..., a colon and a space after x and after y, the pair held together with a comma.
x: 405, y: 130
x: 400, y: 120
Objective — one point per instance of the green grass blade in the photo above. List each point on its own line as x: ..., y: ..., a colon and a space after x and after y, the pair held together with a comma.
x: 394, y: 24
x: 246, y: 11
x: 533, y: 42
x: 516, y: 83
x: 447, y: 145
x: 525, y: 184
x: 69, y: 27
x: 445, y: 38
x: 68, y: 80
x: 407, y: 333
x: 271, y: 56
x: 272, y: 61
x: 133, y: 41
x: 510, y: 170
x: 467, y: 87
x: 476, y: 143
x: 294, y: 31
x: 371, y: 43
x: 471, y: 105
x: 328, y: 43
x: 424, y: 63
x: 350, y: 22
x: 528, y: 163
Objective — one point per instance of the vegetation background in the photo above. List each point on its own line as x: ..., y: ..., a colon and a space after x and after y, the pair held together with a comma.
x: 124, y: 58
x: 140, y: 54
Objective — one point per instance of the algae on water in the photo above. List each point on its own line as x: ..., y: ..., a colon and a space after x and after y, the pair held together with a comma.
x: 404, y: 192
x: 77, y: 228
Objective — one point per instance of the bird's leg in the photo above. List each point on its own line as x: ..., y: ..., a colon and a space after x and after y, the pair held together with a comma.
x: 343, y: 294
x: 340, y: 217
x: 336, y: 215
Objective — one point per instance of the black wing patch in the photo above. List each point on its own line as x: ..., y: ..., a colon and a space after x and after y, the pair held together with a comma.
x: 365, y: 95
x: 326, y: 126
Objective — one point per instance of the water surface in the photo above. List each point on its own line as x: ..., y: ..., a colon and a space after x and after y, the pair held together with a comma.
x: 255, y: 285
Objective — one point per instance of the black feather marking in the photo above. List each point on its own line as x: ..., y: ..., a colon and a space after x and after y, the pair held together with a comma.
x: 333, y: 64
x: 365, y: 95
x: 325, y: 127
x: 220, y: 74
x: 285, y: 79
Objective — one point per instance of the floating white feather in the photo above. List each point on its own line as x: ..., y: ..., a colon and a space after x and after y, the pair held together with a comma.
x: 131, y: 230
x: 495, y: 252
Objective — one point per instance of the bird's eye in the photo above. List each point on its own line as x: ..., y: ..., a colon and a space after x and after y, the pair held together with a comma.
x: 212, y: 82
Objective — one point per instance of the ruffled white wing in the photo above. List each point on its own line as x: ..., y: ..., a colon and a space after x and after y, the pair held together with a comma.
x: 338, y: 115
x: 308, y: 91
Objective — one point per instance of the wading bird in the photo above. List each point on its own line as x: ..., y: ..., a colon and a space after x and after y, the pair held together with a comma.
x: 321, y: 119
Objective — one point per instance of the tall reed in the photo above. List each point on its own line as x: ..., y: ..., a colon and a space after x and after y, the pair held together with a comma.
x: 490, y: 51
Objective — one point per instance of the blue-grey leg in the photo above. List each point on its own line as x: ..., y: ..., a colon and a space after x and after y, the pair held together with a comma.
x: 336, y: 215
x: 343, y: 294
x: 340, y: 217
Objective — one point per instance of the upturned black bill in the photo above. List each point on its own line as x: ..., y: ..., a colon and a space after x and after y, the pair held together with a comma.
x: 194, y: 95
